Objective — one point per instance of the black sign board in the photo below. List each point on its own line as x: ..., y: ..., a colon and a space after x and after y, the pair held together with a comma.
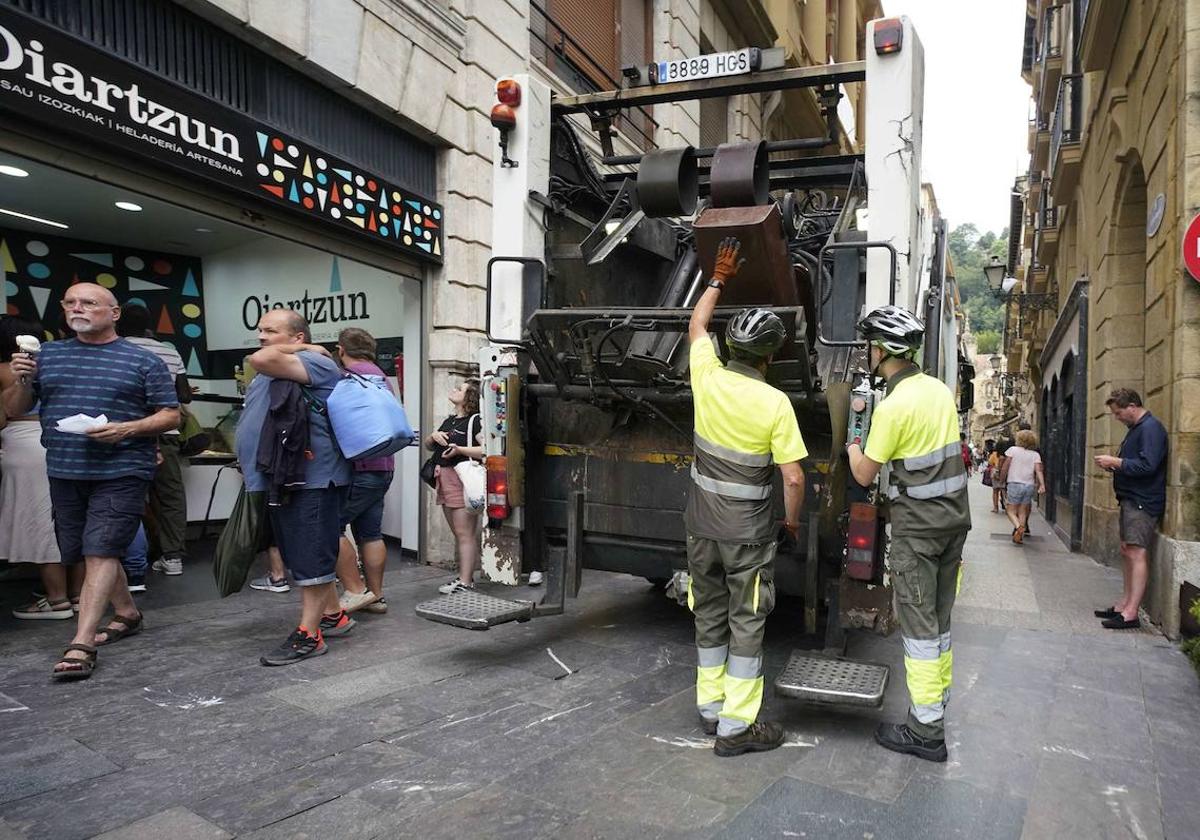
x: 57, y: 80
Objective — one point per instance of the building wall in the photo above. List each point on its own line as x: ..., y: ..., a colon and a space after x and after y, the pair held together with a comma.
x: 1141, y: 137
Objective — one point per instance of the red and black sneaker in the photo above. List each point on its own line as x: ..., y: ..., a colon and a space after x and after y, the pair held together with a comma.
x: 299, y: 645
x: 337, y: 624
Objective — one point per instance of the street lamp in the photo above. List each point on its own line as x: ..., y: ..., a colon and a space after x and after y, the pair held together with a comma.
x: 995, y: 272
x: 996, y: 360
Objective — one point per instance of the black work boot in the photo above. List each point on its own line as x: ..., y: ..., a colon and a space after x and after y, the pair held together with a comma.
x: 709, y: 726
x: 897, y: 737
x: 760, y: 736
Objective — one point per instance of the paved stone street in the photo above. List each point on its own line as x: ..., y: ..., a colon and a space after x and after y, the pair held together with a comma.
x: 1058, y: 729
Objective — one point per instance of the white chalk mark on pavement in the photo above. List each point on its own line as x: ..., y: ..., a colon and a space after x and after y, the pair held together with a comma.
x: 547, y: 719
x: 8, y: 704
x: 560, y: 662
x: 478, y: 716
x: 1055, y: 748
x: 707, y: 743
x: 167, y: 699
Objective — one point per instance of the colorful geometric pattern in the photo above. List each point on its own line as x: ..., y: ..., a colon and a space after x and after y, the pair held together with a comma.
x: 38, y: 268
x: 335, y: 191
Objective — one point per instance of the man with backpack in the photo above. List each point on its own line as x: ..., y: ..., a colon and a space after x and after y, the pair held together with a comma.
x: 306, y: 522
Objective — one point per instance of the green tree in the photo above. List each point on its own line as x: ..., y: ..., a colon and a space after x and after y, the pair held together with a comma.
x: 987, y: 342
x: 970, y: 251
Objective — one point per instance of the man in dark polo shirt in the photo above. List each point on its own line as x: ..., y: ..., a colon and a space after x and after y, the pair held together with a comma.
x: 307, y: 525
x: 1139, y: 471
x: 98, y: 480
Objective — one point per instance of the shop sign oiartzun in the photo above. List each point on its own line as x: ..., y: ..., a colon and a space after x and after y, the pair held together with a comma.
x: 58, y: 80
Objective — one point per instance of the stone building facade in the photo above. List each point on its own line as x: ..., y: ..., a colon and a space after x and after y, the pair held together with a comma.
x: 430, y: 67
x: 1105, y: 299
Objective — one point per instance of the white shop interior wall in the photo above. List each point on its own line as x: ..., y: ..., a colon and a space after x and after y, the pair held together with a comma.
x: 240, y: 280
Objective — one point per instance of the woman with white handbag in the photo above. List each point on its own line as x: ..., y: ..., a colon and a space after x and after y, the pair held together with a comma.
x: 460, y: 479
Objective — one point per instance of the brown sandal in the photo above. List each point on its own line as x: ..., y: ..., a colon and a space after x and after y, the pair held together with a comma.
x: 80, y: 669
x: 130, y: 625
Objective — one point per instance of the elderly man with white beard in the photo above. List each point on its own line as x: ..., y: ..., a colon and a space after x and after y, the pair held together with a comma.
x: 98, y: 480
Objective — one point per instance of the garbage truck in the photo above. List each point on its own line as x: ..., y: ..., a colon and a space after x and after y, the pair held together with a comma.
x: 597, y: 259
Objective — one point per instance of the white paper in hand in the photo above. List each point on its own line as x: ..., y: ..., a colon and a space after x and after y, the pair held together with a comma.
x: 81, y: 424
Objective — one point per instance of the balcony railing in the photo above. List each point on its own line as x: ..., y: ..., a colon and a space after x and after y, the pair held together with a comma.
x: 1078, y: 19
x: 1029, y: 54
x: 1052, y: 33
x: 1067, y: 121
x: 567, y: 59
x: 1047, y: 211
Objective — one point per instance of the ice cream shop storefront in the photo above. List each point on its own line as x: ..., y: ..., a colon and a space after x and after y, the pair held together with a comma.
x: 190, y: 174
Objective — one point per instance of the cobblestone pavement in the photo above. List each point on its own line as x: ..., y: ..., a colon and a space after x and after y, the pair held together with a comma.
x: 1058, y: 729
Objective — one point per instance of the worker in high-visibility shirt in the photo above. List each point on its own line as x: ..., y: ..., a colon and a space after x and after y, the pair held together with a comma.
x: 743, y: 428
x: 915, y: 431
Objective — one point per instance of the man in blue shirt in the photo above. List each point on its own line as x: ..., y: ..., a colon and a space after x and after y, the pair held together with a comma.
x: 1140, y: 481
x: 98, y: 480
x: 307, y: 526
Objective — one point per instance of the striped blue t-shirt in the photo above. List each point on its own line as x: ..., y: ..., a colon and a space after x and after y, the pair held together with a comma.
x: 117, y: 379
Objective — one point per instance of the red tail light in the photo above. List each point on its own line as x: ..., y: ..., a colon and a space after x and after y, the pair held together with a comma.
x: 497, y: 487
x: 503, y: 117
x: 889, y: 36
x: 508, y: 92
x: 861, y: 537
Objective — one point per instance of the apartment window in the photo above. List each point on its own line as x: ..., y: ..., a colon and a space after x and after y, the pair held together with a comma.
x: 714, y: 113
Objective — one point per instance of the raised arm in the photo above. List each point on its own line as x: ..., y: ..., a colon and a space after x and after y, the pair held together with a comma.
x: 727, y: 266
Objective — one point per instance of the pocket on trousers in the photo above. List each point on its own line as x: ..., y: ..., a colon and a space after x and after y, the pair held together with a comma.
x: 905, y: 580
x: 764, y: 591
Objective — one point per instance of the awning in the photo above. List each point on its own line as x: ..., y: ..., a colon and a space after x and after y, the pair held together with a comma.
x: 996, y: 427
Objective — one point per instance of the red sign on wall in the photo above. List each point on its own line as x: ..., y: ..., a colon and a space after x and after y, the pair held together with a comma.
x: 1191, y: 248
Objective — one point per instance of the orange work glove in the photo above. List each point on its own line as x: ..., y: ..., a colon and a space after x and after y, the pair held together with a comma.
x: 728, y: 263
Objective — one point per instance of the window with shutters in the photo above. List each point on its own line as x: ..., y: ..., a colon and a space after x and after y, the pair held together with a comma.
x: 714, y: 112
x: 587, y: 42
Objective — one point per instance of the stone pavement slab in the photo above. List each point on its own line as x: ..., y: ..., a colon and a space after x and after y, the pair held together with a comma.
x: 1056, y: 728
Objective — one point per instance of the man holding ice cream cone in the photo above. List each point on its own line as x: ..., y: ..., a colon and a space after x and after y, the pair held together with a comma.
x: 98, y: 478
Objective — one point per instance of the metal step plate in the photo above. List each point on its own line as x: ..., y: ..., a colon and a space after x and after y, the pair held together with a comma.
x: 474, y: 610
x: 827, y: 679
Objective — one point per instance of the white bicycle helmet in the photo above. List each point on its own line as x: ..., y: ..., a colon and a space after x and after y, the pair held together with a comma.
x: 894, y: 329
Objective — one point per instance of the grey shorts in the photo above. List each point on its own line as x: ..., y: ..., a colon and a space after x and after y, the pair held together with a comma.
x: 1020, y: 493
x: 1138, y: 525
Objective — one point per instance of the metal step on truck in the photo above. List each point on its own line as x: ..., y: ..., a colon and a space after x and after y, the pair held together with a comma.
x: 597, y: 261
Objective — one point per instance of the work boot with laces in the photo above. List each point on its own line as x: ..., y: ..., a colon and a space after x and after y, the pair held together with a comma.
x: 897, y: 737
x: 760, y: 736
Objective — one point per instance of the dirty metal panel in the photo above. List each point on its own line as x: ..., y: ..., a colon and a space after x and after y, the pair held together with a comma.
x: 865, y: 606
x: 474, y: 610
x: 832, y: 680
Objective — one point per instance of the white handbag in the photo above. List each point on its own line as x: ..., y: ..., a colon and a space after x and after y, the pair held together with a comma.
x: 473, y: 476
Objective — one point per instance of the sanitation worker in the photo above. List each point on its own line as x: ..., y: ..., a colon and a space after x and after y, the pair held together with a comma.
x: 915, y: 430
x: 743, y: 428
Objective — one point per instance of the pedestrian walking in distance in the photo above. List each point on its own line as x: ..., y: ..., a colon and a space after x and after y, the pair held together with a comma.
x: 915, y: 430
x: 1023, y: 478
x: 1139, y: 472
x: 742, y: 427
x: 98, y: 480
x: 295, y: 378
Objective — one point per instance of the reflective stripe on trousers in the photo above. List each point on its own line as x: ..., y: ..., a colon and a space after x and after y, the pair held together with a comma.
x: 710, y: 680
x: 928, y: 664
x: 728, y: 688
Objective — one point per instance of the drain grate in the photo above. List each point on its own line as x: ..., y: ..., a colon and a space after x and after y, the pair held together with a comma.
x: 474, y: 610
x: 825, y: 679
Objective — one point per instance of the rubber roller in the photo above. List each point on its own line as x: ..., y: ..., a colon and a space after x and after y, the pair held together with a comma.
x: 739, y: 176
x: 667, y: 184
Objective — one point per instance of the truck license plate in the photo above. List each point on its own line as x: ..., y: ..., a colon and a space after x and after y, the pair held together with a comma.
x: 705, y: 66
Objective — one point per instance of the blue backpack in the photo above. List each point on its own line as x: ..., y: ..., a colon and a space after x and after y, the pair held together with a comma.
x: 367, y: 419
